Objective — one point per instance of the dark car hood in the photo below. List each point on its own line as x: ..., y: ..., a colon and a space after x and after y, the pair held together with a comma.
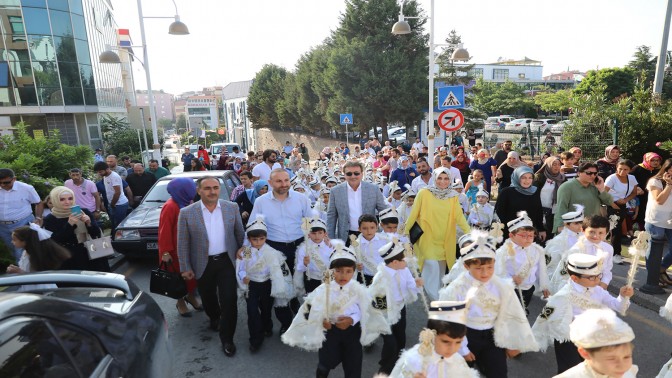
x: 142, y: 217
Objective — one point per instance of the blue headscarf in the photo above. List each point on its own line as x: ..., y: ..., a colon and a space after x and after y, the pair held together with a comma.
x: 182, y: 190
x: 253, y: 193
x: 515, y: 180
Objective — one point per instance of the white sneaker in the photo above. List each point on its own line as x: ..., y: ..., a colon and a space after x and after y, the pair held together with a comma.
x: 618, y: 259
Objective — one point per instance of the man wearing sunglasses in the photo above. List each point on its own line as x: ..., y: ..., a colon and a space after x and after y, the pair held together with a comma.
x: 350, y: 200
x: 586, y: 189
x: 16, y: 199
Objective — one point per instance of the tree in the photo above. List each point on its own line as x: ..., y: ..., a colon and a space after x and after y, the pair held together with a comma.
x: 450, y: 73
x: 285, y: 106
x: 181, y: 123
x: 313, y: 93
x: 644, y: 63
x: 380, y: 77
x: 504, y: 98
x: 120, y: 139
x: 266, y: 89
x: 617, y: 82
x: 558, y: 101
x: 166, y: 124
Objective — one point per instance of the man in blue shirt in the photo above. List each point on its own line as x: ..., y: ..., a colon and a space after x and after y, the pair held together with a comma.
x: 187, y: 156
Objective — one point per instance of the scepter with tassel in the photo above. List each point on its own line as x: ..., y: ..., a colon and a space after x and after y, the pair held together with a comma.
x: 408, y: 253
x: 358, y: 252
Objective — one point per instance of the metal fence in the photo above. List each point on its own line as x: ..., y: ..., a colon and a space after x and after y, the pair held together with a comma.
x: 533, y: 144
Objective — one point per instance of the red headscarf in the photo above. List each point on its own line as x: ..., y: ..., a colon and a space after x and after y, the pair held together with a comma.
x: 461, y: 165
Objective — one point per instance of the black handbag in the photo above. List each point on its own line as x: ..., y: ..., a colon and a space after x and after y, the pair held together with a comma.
x: 167, y: 283
x: 415, y: 233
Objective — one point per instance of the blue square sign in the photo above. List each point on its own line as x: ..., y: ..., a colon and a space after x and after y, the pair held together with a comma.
x: 346, y: 119
x: 451, y: 97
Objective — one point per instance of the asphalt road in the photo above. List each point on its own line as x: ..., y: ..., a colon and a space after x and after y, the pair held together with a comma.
x: 197, y: 350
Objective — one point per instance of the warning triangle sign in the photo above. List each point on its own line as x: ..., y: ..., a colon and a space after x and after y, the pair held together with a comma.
x: 346, y: 120
x: 451, y: 100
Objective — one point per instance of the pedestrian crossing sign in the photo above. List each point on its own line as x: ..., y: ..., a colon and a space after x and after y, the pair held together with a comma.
x: 346, y: 119
x: 451, y: 97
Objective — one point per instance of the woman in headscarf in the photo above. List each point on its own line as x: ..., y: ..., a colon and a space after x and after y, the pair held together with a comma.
x: 643, y: 172
x: 607, y: 165
x: 437, y: 211
x: 246, y: 199
x: 462, y: 164
x: 503, y: 176
x: 70, y: 230
x: 548, y: 179
x: 182, y: 192
x: 486, y: 164
x: 521, y: 196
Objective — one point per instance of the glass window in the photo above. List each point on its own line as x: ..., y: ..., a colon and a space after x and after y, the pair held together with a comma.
x: 73, y: 96
x: 16, y: 24
x: 27, y: 95
x: 59, y: 4
x: 10, y: 4
x: 477, y: 72
x: 76, y: 7
x: 34, y: 3
x: 30, y: 349
x: 79, y: 26
x: 500, y: 74
x: 50, y: 96
x: 60, y: 23
x: 37, y: 21
x: 69, y: 74
x: 90, y: 97
x: 86, y: 73
x: 65, y: 49
x: 84, y: 349
x: 46, y: 74
x: 82, y: 48
x: 42, y: 47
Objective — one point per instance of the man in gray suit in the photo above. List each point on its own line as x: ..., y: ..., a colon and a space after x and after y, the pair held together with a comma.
x: 209, y: 233
x: 351, y: 199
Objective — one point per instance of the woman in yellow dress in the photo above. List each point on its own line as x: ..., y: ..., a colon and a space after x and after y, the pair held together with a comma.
x: 438, y: 212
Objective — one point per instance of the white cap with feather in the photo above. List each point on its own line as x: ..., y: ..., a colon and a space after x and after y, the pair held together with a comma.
x: 522, y: 221
x: 574, y: 216
x: 341, y: 251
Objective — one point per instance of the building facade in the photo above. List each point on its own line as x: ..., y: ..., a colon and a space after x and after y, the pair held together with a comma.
x: 164, y: 103
x: 201, y: 112
x: 55, y: 81
x: 238, y: 126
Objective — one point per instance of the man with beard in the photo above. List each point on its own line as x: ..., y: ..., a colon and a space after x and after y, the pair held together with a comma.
x: 262, y: 171
x: 424, y: 178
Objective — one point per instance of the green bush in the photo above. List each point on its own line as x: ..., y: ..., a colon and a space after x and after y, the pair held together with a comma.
x: 42, y: 162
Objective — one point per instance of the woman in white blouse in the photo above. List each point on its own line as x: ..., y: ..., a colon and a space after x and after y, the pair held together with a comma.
x: 658, y: 213
x: 623, y: 187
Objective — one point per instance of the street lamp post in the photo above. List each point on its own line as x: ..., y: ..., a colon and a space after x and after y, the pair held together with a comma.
x: 459, y: 54
x: 176, y: 28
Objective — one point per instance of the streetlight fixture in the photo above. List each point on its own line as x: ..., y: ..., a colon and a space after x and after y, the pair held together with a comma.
x: 459, y: 54
x: 177, y: 27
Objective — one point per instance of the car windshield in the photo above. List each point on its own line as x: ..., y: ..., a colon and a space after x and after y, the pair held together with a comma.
x: 158, y: 195
x: 216, y: 149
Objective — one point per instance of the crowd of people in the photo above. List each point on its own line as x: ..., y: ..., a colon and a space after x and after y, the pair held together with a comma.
x: 339, y: 246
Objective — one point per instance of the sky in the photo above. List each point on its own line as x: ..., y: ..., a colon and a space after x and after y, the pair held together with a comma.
x: 231, y: 40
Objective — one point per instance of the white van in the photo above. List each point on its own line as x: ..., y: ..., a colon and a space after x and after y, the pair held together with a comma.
x: 216, y: 150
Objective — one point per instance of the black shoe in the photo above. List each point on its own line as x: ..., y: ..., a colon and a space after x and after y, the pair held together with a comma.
x: 321, y: 373
x: 254, y: 348
x: 229, y: 349
x: 268, y: 333
x: 214, y: 325
x: 282, y: 331
x: 369, y: 348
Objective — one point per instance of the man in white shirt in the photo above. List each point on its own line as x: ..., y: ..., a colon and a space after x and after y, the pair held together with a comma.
x: 283, y: 210
x: 418, y: 145
x: 262, y: 171
x: 16, y: 199
x: 118, y: 203
x: 236, y: 153
x: 424, y: 178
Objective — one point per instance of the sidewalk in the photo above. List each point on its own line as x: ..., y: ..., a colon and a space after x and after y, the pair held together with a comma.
x: 620, y: 274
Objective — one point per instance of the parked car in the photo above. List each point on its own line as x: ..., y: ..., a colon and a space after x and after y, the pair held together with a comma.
x: 497, y: 123
x: 519, y: 124
x: 137, y: 235
x: 559, y: 127
x: 542, y: 124
x: 84, y: 324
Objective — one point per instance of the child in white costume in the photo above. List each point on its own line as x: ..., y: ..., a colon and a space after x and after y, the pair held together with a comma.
x: 595, y: 230
x: 496, y: 323
x: 312, y: 257
x: 605, y: 342
x: 482, y: 213
x: 337, y: 318
x: 436, y: 354
x: 404, y: 210
x: 523, y: 260
x: 562, y: 242
x: 666, y: 312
